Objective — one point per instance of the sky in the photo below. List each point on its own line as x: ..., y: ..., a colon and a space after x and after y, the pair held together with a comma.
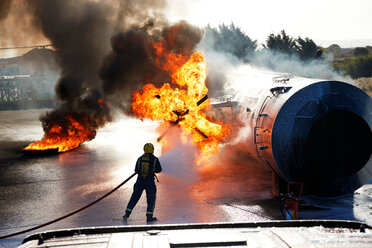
x: 324, y: 21
x: 343, y: 22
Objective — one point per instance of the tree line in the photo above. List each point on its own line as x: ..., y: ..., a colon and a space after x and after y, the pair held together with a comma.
x: 356, y: 62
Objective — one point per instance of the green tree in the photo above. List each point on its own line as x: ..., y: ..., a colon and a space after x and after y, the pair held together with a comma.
x: 360, y: 51
x: 231, y: 39
x: 369, y: 48
x: 306, y: 49
x: 335, y: 49
x: 360, y: 66
x: 281, y: 43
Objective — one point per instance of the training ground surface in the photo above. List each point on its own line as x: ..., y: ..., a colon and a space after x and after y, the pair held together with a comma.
x: 37, y: 189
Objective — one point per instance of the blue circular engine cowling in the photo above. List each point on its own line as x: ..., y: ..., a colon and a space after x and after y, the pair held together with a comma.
x: 322, y: 136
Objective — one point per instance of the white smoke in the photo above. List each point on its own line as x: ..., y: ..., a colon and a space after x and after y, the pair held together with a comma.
x: 282, y: 63
x: 179, y: 161
x: 222, y: 64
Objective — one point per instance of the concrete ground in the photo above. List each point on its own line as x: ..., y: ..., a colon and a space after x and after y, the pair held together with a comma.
x: 38, y: 189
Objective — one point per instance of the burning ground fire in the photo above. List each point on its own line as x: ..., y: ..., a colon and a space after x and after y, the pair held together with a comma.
x: 64, y: 135
x: 184, y: 104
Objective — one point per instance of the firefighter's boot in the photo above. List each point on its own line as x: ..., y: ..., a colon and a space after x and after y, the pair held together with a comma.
x: 150, y: 218
x: 126, y: 215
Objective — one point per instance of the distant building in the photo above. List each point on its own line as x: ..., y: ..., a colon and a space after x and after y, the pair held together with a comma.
x: 28, y: 81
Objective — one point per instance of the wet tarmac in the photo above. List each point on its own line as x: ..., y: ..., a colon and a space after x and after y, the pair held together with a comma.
x: 38, y: 189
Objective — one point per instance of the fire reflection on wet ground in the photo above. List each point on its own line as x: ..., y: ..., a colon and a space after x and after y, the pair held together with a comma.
x: 97, y: 166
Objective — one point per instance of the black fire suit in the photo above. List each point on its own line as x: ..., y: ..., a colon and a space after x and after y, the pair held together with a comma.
x: 146, y: 183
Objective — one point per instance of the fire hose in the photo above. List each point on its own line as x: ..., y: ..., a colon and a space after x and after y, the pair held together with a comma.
x: 72, y: 213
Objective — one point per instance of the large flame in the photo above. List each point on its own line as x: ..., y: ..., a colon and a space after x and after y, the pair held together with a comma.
x: 179, y: 105
x: 64, y: 135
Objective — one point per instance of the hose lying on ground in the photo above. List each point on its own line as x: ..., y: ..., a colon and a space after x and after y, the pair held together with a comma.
x: 68, y: 215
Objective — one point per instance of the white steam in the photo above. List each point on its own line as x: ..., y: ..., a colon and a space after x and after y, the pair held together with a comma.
x: 222, y: 65
x: 179, y: 161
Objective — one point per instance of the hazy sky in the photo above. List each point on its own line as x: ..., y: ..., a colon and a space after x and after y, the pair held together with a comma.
x: 317, y: 19
x: 344, y: 22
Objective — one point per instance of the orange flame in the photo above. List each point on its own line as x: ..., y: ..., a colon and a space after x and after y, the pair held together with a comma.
x: 180, y: 105
x: 64, y: 137
x: 168, y: 61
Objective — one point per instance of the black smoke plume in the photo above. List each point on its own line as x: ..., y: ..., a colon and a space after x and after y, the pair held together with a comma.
x: 4, y: 8
x: 78, y: 31
x: 105, y: 52
x: 132, y: 62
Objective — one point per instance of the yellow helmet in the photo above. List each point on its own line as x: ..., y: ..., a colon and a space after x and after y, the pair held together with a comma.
x: 148, y: 148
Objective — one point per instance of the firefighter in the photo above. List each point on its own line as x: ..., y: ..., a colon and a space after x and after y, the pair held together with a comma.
x: 146, y: 167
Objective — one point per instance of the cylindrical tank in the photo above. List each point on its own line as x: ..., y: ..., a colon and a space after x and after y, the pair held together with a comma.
x: 317, y: 132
